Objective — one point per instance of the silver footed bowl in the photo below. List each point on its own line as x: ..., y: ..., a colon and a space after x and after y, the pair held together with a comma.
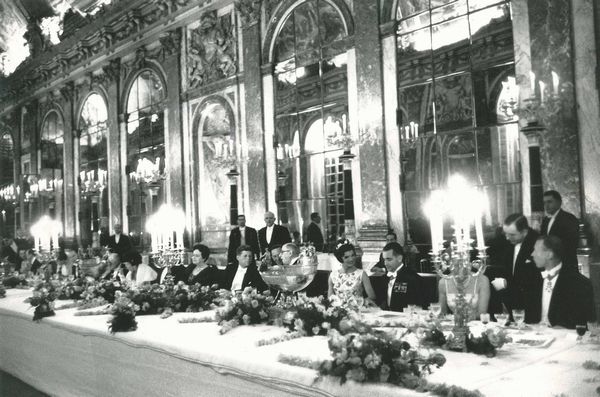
x: 292, y: 278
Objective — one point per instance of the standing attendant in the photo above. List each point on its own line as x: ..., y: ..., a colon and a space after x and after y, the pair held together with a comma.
x: 272, y: 234
x: 518, y: 281
x: 242, y: 235
x: 561, y: 224
x: 118, y: 242
x: 314, y: 234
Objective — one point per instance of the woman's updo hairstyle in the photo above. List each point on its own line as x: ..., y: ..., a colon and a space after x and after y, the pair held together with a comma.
x: 341, y: 248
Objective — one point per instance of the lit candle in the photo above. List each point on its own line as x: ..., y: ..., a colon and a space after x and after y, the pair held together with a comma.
x: 542, y: 88
x: 555, y: 82
x: 406, y: 132
x: 416, y: 130
x: 434, y: 118
x: 412, y: 130
x: 532, y: 82
x: 479, y: 231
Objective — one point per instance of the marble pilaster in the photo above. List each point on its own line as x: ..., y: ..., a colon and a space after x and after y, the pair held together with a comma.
x: 369, y: 115
x: 115, y: 173
x: 392, y: 138
x: 552, y: 50
x: 69, y: 182
x: 522, y: 51
x: 174, y: 138
x: 253, y: 110
x: 588, y: 111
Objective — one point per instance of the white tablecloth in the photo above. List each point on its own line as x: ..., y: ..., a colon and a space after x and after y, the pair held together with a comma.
x: 67, y: 355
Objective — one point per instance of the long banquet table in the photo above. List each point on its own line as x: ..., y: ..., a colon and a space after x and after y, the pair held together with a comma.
x: 67, y: 355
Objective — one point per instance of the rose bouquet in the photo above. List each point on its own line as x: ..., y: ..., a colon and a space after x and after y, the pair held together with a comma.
x: 44, y: 295
x: 243, y: 308
x: 70, y: 289
x: 309, y: 316
x: 150, y: 299
x: 123, y: 311
x: 104, y: 288
x: 202, y: 297
x: 486, y: 339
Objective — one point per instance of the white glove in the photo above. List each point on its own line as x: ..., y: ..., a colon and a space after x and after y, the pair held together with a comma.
x: 499, y: 283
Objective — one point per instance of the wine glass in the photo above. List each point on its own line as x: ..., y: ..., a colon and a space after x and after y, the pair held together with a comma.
x: 581, y: 330
x: 502, y: 318
x: 435, y: 309
x: 519, y: 316
x: 484, y: 318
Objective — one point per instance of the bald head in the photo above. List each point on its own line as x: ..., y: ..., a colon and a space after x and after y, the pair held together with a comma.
x: 269, y: 218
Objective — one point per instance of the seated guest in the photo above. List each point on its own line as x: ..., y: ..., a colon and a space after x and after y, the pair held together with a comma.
x: 566, y: 298
x: 111, y: 268
x: 33, y: 263
x: 289, y: 255
x: 404, y: 286
x: 10, y: 253
x: 243, y: 272
x: 349, y: 281
x: 200, y: 271
x: 477, y: 295
x: 137, y: 272
x: 379, y: 269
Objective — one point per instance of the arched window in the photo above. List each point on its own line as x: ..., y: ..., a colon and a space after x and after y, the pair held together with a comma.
x: 145, y: 151
x: 93, y: 172
x: 455, y: 65
x: 50, y: 183
x: 311, y: 106
x: 8, y: 197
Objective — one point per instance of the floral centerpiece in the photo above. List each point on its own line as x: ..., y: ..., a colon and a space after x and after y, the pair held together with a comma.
x: 44, y: 295
x: 123, y: 311
x: 243, y: 308
x: 375, y: 356
x: 15, y: 280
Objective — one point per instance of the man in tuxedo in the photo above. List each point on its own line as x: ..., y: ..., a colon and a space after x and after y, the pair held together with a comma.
x: 243, y: 272
x: 518, y: 280
x: 567, y: 298
x: 242, y: 235
x: 561, y: 224
x: 403, y: 285
x: 118, y: 242
x: 272, y: 234
x: 314, y: 234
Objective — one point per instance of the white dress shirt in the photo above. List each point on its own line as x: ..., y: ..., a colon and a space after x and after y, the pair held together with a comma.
x: 550, y: 277
x: 117, y: 238
x: 551, y: 221
x: 242, y: 236
x: 239, y: 278
x: 269, y: 233
x: 515, y: 254
x: 392, y: 276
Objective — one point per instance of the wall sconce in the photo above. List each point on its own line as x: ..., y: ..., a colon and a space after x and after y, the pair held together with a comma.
x: 10, y: 193
x: 90, y: 184
x: 545, y: 101
x: 147, y: 171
